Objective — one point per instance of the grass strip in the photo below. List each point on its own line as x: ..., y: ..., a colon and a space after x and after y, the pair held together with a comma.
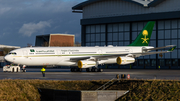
x: 140, y: 90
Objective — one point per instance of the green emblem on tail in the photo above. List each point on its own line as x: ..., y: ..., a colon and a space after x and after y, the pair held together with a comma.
x: 144, y: 37
x: 145, y: 33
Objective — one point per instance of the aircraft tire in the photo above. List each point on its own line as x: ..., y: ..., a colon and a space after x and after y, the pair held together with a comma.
x: 24, y: 70
x: 100, y: 70
x: 92, y: 70
x: 17, y: 70
x: 75, y: 70
x: 80, y: 70
x: 95, y: 70
x: 87, y: 70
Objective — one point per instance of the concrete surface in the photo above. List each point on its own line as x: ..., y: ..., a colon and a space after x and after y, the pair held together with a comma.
x: 107, y: 95
x: 67, y: 95
x: 65, y: 74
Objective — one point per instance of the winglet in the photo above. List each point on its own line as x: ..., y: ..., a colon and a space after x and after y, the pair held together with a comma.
x: 170, y: 50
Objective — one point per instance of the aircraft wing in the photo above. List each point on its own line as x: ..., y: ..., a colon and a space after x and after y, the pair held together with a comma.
x: 79, y: 58
x: 150, y: 53
x: 158, y: 52
x: 140, y: 54
x: 99, y: 57
x: 150, y: 49
x: 109, y: 56
x: 104, y: 57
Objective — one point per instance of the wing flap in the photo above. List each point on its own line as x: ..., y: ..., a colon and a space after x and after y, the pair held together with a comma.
x: 109, y: 56
x: 79, y: 58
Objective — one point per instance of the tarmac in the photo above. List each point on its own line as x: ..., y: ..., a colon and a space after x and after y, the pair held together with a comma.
x: 65, y: 74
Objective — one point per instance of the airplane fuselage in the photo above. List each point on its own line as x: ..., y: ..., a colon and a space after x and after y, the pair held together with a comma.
x: 40, y: 56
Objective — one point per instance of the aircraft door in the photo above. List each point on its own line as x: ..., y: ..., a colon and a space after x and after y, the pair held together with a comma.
x: 99, y: 51
x: 25, y: 54
x: 59, y: 53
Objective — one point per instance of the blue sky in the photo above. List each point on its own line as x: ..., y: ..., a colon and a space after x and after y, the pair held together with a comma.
x: 22, y: 20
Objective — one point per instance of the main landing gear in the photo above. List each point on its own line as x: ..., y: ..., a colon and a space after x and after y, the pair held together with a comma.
x: 94, y: 70
x: 76, y: 70
x: 87, y: 70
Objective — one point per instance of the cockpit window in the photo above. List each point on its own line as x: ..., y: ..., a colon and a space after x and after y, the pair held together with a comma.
x: 13, y: 53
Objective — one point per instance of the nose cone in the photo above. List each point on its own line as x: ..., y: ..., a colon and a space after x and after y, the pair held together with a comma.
x: 6, y: 58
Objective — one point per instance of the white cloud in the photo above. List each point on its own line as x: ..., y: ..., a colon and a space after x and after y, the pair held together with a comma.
x: 29, y: 18
x: 5, y: 9
x: 30, y: 28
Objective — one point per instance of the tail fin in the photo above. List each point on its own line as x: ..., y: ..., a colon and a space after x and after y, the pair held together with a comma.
x: 144, y: 37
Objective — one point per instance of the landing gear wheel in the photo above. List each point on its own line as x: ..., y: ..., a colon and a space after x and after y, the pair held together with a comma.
x: 95, y: 69
x: 24, y: 70
x: 100, y: 70
x: 92, y: 70
x: 75, y: 69
x: 79, y: 70
x: 87, y: 70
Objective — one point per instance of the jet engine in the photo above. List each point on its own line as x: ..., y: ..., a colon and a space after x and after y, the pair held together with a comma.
x: 124, y: 60
x: 85, y: 64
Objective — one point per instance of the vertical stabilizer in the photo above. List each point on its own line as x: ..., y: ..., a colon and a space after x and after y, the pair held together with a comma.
x: 144, y: 37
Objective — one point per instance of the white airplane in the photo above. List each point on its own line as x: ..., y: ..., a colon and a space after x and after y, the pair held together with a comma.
x: 87, y: 57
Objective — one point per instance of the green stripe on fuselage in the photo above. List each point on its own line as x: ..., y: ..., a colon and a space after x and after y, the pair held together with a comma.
x: 65, y: 55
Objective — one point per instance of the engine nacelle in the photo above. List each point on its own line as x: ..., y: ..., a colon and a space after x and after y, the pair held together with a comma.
x: 124, y: 60
x: 85, y: 64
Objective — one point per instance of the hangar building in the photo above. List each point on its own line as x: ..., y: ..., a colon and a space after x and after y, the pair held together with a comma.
x: 118, y: 22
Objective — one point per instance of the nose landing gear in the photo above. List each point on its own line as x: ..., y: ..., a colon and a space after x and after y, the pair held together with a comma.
x: 23, y: 68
